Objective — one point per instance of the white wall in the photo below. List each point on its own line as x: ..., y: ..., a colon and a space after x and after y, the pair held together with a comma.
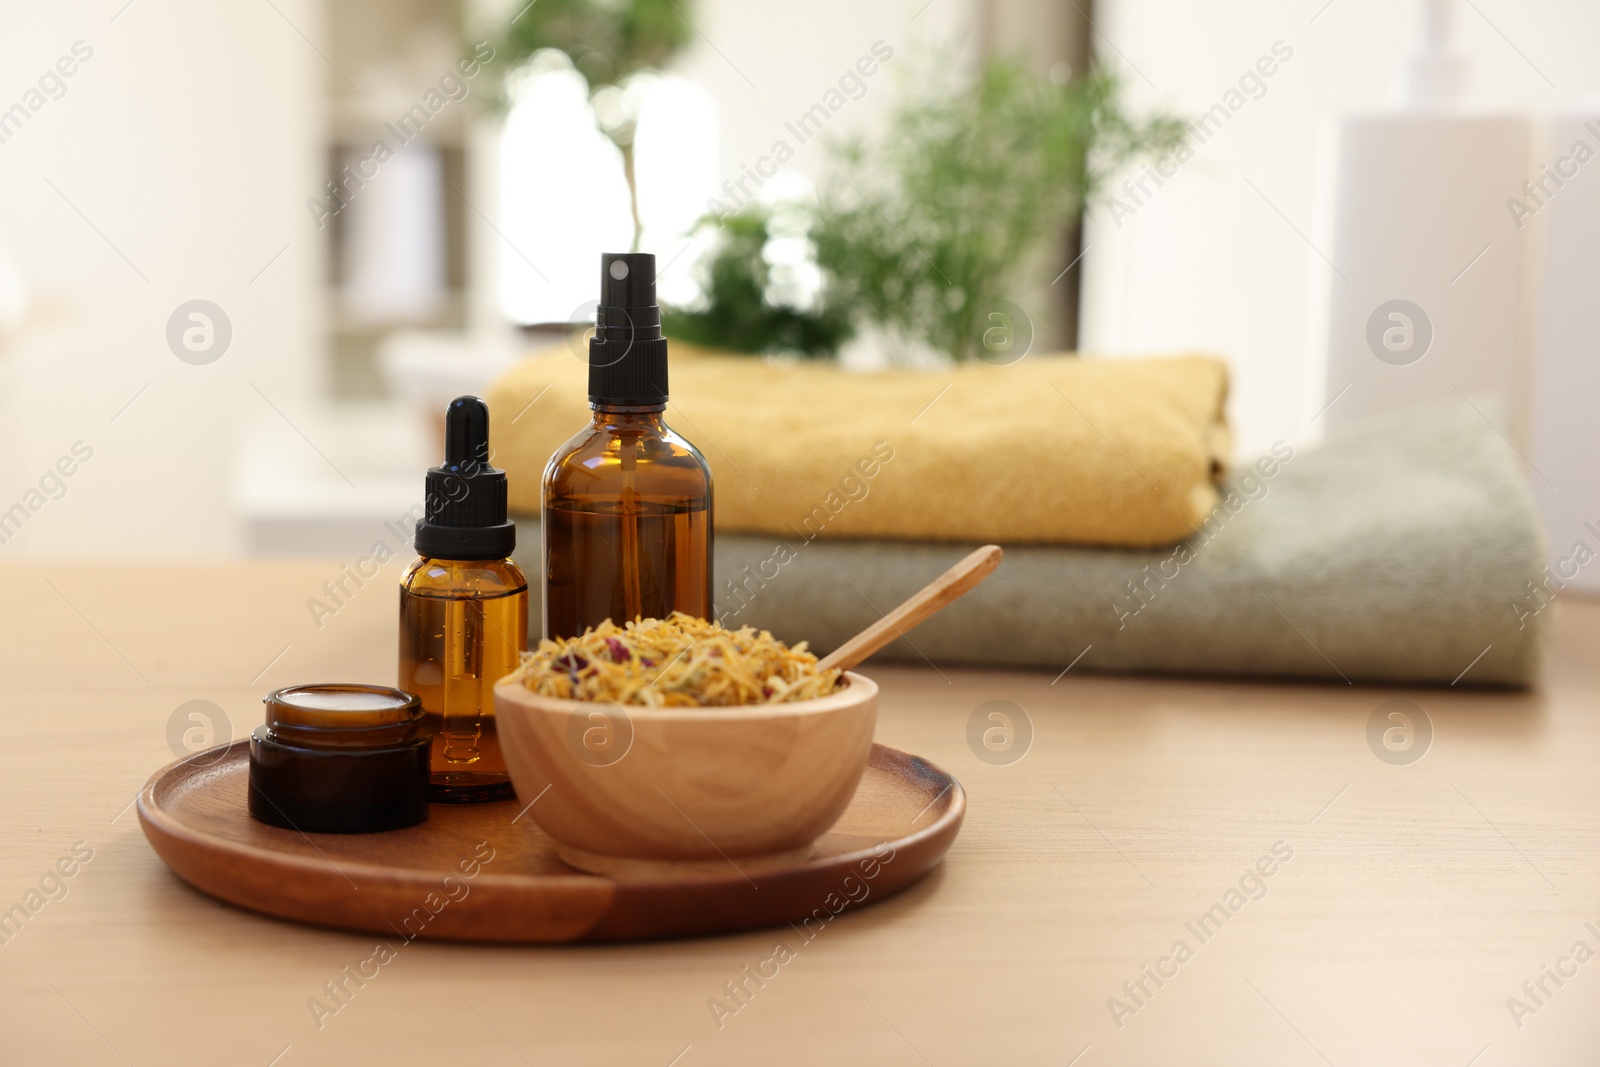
x: 1209, y: 262
x: 767, y: 63
x: 189, y: 141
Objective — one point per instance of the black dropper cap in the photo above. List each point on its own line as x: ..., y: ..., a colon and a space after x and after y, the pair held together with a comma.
x: 465, y: 516
x: 628, y: 354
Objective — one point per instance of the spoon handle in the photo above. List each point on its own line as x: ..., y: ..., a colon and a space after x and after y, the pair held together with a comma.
x: 934, y: 596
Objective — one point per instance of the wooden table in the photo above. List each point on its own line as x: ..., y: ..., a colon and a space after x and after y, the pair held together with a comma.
x: 1417, y: 900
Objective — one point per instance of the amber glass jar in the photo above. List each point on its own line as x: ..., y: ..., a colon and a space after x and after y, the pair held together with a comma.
x: 340, y: 758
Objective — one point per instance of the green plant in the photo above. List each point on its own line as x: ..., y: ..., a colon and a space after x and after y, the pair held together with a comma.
x: 611, y: 43
x: 924, y: 228
x: 749, y: 305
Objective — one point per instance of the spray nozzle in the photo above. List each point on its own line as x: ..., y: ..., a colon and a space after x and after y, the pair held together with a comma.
x: 628, y: 280
x: 628, y: 352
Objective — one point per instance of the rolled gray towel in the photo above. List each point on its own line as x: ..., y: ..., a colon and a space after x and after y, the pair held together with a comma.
x: 1397, y: 551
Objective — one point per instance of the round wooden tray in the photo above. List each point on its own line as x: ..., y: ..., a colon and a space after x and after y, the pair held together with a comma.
x: 487, y: 872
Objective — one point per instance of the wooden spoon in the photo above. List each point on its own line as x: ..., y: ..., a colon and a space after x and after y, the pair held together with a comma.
x: 936, y: 595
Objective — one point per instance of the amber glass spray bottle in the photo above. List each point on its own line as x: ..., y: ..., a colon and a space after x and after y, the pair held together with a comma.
x: 627, y: 502
x: 463, y: 612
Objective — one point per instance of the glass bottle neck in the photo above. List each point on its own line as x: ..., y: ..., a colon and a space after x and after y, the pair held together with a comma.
x: 637, y: 418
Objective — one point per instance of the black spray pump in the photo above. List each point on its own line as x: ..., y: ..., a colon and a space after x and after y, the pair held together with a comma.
x: 465, y: 515
x: 628, y: 354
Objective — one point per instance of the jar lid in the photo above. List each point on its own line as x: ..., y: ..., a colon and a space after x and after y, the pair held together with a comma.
x: 343, y: 715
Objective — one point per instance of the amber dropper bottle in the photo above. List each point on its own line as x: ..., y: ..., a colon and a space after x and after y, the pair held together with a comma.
x: 463, y: 612
x: 627, y: 502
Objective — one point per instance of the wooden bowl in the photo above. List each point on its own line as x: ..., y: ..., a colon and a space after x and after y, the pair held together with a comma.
x: 640, y: 791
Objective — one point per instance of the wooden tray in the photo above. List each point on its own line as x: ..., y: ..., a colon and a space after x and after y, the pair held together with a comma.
x: 487, y: 872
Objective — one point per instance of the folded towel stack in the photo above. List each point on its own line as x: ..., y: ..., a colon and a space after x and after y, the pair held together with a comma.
x: 1407, y: 550
x: 1404, y: 551
x: 1050, y: 450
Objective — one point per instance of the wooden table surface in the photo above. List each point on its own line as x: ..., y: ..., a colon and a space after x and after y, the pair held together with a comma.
x: 1415, y: 901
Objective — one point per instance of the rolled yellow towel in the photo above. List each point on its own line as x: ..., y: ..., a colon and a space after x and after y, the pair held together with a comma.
x: 1053, y: 449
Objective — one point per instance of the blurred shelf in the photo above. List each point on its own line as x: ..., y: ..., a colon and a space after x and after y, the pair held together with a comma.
x: 331, y: 480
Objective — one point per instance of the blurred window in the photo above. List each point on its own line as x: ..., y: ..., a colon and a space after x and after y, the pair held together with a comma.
x: 564, y: 197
